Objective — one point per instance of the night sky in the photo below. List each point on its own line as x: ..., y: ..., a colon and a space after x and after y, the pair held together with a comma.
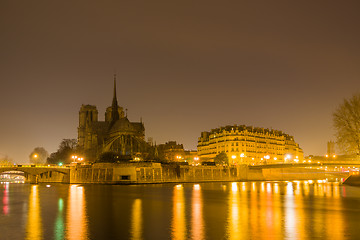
x: 183, y: 66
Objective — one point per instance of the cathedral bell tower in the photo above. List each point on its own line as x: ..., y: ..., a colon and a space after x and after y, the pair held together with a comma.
x: 88, y: 114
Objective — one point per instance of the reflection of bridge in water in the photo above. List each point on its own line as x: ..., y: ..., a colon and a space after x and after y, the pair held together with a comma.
x: 38, y: 173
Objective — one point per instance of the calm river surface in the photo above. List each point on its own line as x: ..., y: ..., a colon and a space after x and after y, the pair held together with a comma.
x: 239, y: 210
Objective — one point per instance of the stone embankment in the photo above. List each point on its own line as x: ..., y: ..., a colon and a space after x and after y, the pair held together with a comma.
x: 140, y: 173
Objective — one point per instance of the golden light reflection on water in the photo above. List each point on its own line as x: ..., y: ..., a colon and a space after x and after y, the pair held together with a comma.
x: 34, y: 225
x: 277, y: 209
x: 268, y: 222
x: 233, y: 221
x: 197, y: 222
x: 76, y: 220
x: 319, y: 189
x: 178, y: 225
x: 290, y: 213
x: 136, y: 220
x: 276, y: 188
x: 306, y: 187
x: 249, y: 210
x: 336, y: 221
x: 336, y: 190
x: 5, y: 199
x: 254, y: 207
x: 244, y: 210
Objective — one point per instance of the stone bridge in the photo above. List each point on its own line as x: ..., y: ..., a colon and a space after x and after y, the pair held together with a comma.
x: 317, y: 165
x: 40, y: 173
x: 305, y: 170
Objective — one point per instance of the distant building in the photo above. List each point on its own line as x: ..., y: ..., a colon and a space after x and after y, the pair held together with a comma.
x: 115, y: 134
x: 331, y: 155
x: 171, y: 151
x: 191, y: 156
x: 331, y: 148
x: 249, y: 145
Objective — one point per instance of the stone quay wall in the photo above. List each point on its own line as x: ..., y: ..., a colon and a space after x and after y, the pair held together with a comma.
x: 141, y: 173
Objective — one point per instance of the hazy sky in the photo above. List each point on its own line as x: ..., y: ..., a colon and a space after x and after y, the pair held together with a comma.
x: 183, y: 66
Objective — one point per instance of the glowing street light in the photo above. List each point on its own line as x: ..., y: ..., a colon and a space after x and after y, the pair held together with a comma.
x: 76, y: 158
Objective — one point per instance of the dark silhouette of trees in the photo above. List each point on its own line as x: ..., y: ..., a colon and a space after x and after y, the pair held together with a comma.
x: 38, y: 155
x: 221, y: 159
x: 66, y: 149
x: 346, y: 121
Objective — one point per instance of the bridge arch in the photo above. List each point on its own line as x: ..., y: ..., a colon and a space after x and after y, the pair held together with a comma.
x: 34, y: 174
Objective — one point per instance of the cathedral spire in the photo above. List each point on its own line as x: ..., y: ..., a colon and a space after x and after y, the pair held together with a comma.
x: 114, y: 106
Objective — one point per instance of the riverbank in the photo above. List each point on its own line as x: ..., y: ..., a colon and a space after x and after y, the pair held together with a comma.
x: 353, y: 180
x: 142, y: 173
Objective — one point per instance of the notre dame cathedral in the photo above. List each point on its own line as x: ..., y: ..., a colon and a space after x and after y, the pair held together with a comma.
x: 116, y: 134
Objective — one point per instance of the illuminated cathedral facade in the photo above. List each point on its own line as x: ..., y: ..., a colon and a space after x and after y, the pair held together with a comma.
x: 116, y: 134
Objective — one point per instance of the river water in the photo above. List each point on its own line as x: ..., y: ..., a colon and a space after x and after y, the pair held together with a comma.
x: 238, y: 210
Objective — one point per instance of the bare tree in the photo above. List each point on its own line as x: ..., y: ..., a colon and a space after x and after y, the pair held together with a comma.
x: 38, y: 155
x: 68, y: 143
x: 346, y: 120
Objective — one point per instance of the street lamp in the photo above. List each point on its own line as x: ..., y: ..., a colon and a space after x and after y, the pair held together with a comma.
x: 287, y: 157
x: 233, y: 157
x: 242, y: 155
x: 267, y: 157
x: 35, y: 157
x: 76, y: 158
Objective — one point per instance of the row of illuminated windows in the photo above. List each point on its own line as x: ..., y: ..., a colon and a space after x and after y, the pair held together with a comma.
x: 242, y: 141
x: 245, y: 133
x: 237, y: 150
x: 243, y: 138
x: 265, y: 146
x: 246, y: 148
